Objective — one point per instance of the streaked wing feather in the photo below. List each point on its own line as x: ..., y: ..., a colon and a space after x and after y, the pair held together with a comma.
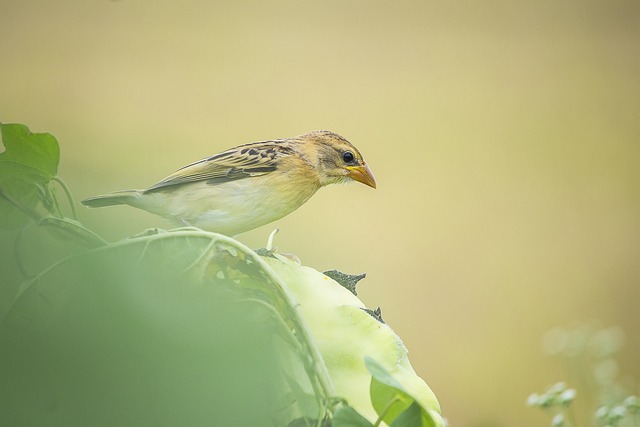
x: 244, y: 161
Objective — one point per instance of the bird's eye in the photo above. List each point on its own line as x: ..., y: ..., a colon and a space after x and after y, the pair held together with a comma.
x: 347, y: 156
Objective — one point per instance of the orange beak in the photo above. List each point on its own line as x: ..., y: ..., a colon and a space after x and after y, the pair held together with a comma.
x: 362, y: 174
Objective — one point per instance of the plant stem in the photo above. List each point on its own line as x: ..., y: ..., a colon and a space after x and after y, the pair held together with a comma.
x: 72, y: 202
x: 49, y: 193
x: 385, y: 410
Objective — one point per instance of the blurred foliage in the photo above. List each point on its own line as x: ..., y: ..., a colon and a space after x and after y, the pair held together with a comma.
x: 589, y: 352
x: 116, y: 337
x: 503, y: 135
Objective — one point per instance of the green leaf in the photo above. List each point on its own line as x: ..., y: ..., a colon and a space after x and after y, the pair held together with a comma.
x: 28, y: 153
x: 390, y: 399
x: 411, y: 417
x: 27, y: 165
x: 346, y: 416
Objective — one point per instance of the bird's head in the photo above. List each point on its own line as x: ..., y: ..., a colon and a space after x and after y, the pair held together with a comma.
x: 335, y: 159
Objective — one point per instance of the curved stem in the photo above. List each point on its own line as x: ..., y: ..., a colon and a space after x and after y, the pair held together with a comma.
x: 70, y: 198
x: 54, y: 200
x: 385, y: 410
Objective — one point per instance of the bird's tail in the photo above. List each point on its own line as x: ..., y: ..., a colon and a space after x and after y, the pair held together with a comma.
x: 124, y: 197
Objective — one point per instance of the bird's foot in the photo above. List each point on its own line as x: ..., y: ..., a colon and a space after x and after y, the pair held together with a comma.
x: 271, y: 250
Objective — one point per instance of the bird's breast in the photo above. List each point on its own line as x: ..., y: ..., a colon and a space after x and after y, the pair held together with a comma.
x: 233, y: 207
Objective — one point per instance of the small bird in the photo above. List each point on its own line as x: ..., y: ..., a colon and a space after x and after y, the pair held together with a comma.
x: 249, y: 185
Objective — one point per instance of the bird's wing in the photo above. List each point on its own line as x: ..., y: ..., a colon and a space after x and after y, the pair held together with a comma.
x: 244, y: 161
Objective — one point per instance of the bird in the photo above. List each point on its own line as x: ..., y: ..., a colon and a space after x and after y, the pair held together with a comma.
x: 249, y: 185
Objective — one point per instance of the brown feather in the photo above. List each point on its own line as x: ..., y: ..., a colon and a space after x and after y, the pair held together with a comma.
x: 248, y: 160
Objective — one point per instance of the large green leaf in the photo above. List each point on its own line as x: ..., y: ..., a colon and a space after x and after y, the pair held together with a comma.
x: 346, y: 336
x: 411, y: 417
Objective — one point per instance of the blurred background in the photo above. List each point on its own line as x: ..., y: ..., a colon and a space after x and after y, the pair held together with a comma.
x: 504, y: 136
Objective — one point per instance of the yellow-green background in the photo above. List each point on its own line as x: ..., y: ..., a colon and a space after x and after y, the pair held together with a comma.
x: 504, y: 136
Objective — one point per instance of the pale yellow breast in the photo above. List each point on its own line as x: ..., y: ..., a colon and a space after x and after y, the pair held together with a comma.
x: 236, y: 206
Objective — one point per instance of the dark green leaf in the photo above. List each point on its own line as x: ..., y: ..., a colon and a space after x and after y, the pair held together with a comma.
x: 346, y: 416
x: 388, y: 401
x: 389, y: 398
x: 411, y: 417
